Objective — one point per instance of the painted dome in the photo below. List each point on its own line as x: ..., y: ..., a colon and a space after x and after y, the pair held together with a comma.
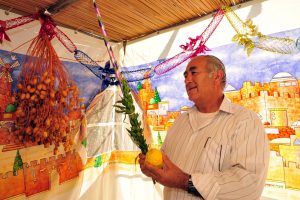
x: 283, y: 76
x: 229, y: 88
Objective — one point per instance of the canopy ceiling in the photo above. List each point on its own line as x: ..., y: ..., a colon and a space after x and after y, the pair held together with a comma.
x: 124, y: 20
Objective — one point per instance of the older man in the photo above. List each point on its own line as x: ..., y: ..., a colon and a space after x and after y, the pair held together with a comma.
x: 216, y: 150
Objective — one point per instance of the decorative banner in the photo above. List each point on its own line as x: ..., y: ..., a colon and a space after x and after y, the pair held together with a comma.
x: 247, y: 30
x: 191, y: 49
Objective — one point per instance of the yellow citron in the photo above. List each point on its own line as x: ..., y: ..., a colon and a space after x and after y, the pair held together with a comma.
x: 154, y: 157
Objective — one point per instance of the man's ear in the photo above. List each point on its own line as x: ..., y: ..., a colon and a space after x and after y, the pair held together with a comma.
x: 219, y: 76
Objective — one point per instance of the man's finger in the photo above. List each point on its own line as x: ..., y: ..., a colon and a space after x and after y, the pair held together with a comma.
x: 154, y: 170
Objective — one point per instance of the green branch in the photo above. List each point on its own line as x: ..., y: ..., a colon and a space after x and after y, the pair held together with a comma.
x: 126, y: 106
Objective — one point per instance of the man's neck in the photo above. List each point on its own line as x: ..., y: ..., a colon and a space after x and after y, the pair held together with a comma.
x: 211, y: 105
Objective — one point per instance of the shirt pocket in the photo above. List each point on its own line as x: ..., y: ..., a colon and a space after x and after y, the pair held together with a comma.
x: 211, y: 157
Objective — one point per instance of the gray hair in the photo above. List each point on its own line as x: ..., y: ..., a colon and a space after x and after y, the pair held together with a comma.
x: 215, y: 64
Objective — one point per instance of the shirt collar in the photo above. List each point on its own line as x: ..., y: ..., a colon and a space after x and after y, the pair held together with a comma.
x: 226, y: 106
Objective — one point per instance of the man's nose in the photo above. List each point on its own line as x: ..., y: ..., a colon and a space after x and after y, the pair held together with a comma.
x: 187, y: 79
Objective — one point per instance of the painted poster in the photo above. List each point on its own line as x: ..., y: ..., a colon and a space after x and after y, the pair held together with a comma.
x: 265, y: 82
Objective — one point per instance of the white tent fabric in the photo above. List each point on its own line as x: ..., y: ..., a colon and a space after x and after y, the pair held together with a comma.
x: 107, y: 128
x: 165, y: 44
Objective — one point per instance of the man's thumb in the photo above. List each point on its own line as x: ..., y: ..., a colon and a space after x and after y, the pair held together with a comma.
x: 167, y: 162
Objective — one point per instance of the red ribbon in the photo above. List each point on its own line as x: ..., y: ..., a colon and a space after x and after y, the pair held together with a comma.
x: 3, y: 34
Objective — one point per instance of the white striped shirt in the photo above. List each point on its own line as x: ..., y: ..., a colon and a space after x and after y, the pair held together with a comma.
x: 227, y: 156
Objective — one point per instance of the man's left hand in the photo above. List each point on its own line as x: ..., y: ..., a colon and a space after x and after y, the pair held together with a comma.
x: 170, y: 175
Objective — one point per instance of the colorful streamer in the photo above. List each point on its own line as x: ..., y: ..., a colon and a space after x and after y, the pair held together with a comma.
x: 191, y: 49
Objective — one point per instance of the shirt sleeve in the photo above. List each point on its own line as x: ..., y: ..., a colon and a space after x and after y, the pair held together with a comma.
x: 249, y: 159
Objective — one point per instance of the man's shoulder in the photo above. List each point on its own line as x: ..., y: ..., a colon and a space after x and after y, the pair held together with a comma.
x: 243, y: 113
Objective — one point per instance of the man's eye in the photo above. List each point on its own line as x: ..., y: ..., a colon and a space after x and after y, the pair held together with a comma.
x: 193, y: 73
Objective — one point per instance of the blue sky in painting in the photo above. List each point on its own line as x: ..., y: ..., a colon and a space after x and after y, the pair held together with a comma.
x: 260, y: 66
x: 88, y: 84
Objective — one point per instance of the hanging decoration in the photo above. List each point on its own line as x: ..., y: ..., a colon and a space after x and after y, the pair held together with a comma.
x: 88, y: 62
x: 45, y: 94
x: 138, y: 75
x: 56, y: 32
x: 192, y: 48
x: 247, y: 30
x: 65, y: 40
x: 108, y: 76
x: 19, y: 21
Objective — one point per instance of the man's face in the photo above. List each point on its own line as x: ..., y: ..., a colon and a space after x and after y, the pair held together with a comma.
x: 198, y: 83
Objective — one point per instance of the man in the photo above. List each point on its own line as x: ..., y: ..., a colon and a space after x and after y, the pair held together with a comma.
x: 216, y: 150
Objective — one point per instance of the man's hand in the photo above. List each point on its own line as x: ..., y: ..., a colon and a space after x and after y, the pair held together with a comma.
x: 170, y: 175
